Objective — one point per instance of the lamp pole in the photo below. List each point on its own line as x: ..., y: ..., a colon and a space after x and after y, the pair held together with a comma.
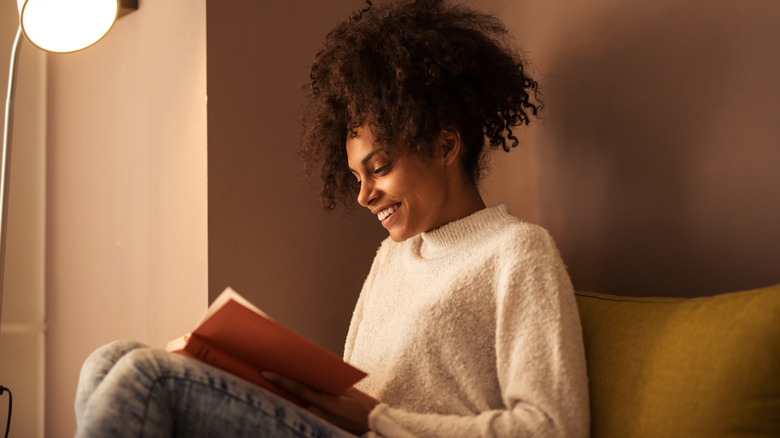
x: 5, y: 167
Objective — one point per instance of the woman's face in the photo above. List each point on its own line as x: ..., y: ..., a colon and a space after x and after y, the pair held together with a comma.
x: 407, y: 194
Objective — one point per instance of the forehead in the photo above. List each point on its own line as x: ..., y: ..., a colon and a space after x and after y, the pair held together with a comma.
x: 360, y: 146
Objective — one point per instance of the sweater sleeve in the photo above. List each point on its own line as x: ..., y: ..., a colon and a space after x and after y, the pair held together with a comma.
x: 540, y: 359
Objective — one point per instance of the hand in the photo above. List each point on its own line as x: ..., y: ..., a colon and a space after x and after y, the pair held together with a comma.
x: 348, y: 410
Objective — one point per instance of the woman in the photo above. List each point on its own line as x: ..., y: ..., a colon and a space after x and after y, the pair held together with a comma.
x: 466, y: 324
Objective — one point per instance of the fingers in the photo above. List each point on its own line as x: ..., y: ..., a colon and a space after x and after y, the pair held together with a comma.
x: 348, y: 410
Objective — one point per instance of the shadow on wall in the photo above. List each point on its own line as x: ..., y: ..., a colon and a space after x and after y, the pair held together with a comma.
x: 659, y: 173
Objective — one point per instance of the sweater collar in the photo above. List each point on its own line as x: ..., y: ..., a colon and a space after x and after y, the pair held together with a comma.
x: 462, y: 231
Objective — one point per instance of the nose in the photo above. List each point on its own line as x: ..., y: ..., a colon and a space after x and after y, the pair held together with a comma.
x: 367, y: 193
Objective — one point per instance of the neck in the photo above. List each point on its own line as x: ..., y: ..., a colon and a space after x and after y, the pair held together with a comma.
x: 465, y: 200
x: 472, y: 200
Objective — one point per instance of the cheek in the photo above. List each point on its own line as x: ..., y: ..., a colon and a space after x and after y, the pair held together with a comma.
x: 425, y: 190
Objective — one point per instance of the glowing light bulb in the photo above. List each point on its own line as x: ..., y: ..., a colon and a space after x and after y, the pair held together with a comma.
x: 66, y: 25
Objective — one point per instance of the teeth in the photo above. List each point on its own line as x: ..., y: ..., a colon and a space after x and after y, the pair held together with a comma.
x: 382, y: 215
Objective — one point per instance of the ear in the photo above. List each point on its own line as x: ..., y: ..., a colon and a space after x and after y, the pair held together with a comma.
x: 450, y: 145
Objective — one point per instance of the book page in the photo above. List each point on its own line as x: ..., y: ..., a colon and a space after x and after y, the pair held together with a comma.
x: 227, y: 295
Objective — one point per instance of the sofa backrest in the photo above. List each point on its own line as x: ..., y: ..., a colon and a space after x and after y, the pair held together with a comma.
x: 683, y: 367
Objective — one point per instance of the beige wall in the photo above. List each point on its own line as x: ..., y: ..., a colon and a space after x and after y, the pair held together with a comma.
x: 653, y: 166
x: 126, y: 228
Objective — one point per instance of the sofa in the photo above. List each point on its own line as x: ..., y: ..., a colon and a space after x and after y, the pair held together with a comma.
x: 683, y: 367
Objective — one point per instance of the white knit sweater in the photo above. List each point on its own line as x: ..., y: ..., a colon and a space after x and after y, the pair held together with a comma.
x: 471, y: 330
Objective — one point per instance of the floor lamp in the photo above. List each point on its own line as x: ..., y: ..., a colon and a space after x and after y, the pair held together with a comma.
x: 58, y: 26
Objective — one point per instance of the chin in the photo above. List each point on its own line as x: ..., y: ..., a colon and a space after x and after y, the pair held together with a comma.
x: 397, y: 237
x: 401, y: 236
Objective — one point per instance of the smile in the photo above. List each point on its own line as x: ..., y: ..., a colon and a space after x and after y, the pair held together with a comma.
x: 382, y: 215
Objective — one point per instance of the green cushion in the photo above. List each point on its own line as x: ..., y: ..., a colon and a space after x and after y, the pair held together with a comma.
x: 683, y: 367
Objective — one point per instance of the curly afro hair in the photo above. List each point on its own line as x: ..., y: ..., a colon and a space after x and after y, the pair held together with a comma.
x: 409, y: 70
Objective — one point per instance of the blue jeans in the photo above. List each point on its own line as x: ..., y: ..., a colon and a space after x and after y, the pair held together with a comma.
x: 129, y: 390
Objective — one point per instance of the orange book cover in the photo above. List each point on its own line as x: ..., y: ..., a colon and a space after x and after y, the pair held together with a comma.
x: 237, y: 337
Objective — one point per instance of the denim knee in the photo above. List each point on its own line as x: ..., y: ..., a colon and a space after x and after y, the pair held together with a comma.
x: 97, y: 365
x: 153, y: 363
x: 114, y: 350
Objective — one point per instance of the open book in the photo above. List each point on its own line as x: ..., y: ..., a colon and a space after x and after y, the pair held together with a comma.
x: 237, y: 337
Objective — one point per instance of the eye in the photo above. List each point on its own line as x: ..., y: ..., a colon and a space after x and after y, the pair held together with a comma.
x: 382, y: 169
